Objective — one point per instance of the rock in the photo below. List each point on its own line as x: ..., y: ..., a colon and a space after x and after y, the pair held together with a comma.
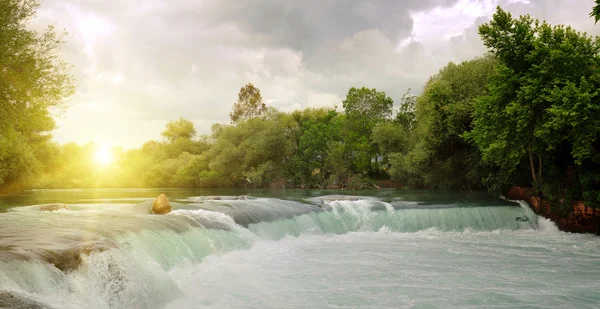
x: 581, y: 220
x: 71, y: 258
x: 14, y: 300
x: 516, y: 193
x: 161, y: 205
x: 579, y: 208
x: 53, y: 207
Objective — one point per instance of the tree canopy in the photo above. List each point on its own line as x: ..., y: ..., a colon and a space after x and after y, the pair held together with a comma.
x: 179, y: 129
x: 543, y: 95
x: 543, y: 105
x: 439, y: 157
x: 368, y: 104
x: 33, y: 80
x: 249, y: 104
x: 596, y: 12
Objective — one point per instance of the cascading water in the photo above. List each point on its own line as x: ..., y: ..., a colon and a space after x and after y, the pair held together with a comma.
x: 96, y: 256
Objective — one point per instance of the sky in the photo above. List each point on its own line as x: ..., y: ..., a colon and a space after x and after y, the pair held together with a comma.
x: 139, y: 64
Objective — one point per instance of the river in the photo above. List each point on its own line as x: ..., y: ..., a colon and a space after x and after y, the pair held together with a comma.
x: 290, y: 249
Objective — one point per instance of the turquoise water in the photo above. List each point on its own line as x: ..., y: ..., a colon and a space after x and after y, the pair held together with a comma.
x: 292, y: 249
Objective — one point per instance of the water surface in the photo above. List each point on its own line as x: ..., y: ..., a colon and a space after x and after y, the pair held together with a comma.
x: 291, y: 249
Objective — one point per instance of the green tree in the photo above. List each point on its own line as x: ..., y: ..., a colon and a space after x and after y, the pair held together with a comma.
x: 249, y: 104
x: 390, y: 137
x: 256, y: 152
x: 438, y: 156
x: 33, y: 80
x: 338, y: 163
x: 543, y: 97
x: 312, y: 151
x: 596, y: 12
x: 368, y: 104
x: 181, y: 128
x: 364, y: 108
x: 406, y: 112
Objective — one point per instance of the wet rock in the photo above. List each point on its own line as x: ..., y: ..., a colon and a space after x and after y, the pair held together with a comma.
x: 53, y: 207
x: 581, y: 219
x: 161, y: 205
x: 516, y: 193
x: 14, y: 300
x: 70, y: 259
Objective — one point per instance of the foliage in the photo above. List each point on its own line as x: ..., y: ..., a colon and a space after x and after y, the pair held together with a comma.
x: 390, y: 137
x: 543, y: 99
x: 367, y: 105
x: 312, y: 151
x: 596, y: 12
x: 406, y: 112
x: 364, y: 110
x: 249, y: 104
x: 439, y: 157
x: 33, y: 81
x: 543, y: 108
x: 179, y: 129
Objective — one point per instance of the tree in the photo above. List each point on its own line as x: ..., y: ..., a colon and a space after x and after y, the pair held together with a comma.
x: 439, y: 157
x: 33, y: 80
x: 596, y: 12
x: 543, y: 95
x: 364, y: 108
x: 249, y: 104
x: 542, y: 111
x: 181, y: 128
x: 312, y: 151
x: 406, y: 112
x: 338, y: 163
x: 256, y: 152
x: 367, y: 104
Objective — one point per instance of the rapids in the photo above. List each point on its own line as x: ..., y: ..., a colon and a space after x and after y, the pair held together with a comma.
x: 390, y: 250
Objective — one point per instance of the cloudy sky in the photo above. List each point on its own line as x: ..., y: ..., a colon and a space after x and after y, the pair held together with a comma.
x: 142, y: 63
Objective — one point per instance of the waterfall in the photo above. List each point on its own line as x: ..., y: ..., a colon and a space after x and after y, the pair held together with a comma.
x: 131, y: 268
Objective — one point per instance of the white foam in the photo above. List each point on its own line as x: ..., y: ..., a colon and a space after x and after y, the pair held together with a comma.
x: 396, y: 270
x: 547, y: 226
x: 205, y: 214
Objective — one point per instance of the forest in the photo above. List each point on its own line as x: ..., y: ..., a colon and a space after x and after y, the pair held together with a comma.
x: 525, y: 113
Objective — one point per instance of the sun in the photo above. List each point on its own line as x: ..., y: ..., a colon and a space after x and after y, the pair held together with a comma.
x: 103, y: 156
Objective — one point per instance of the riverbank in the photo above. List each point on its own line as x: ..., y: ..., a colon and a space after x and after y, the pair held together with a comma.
x: 581, y: 219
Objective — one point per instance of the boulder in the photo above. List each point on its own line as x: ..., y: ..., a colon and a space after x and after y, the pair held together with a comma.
x: 161, y: 205
x: 53, y: 207
x: 516, y: 193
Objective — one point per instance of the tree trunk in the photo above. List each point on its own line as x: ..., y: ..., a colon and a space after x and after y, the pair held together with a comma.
x: 532, y: 166
x: 539, y: 167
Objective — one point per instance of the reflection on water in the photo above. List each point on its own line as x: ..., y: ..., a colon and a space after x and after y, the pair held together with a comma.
x: 100, y: 196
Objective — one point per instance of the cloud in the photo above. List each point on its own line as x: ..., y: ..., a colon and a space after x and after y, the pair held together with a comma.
x: 142, y: 63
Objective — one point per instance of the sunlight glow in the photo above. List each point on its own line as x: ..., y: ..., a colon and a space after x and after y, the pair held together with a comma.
x: 103, y: 156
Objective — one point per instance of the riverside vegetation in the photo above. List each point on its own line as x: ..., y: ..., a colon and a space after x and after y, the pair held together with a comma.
x: 526, y: 113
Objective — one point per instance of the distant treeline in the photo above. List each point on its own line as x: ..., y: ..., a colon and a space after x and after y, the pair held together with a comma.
x: 526, y: 113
